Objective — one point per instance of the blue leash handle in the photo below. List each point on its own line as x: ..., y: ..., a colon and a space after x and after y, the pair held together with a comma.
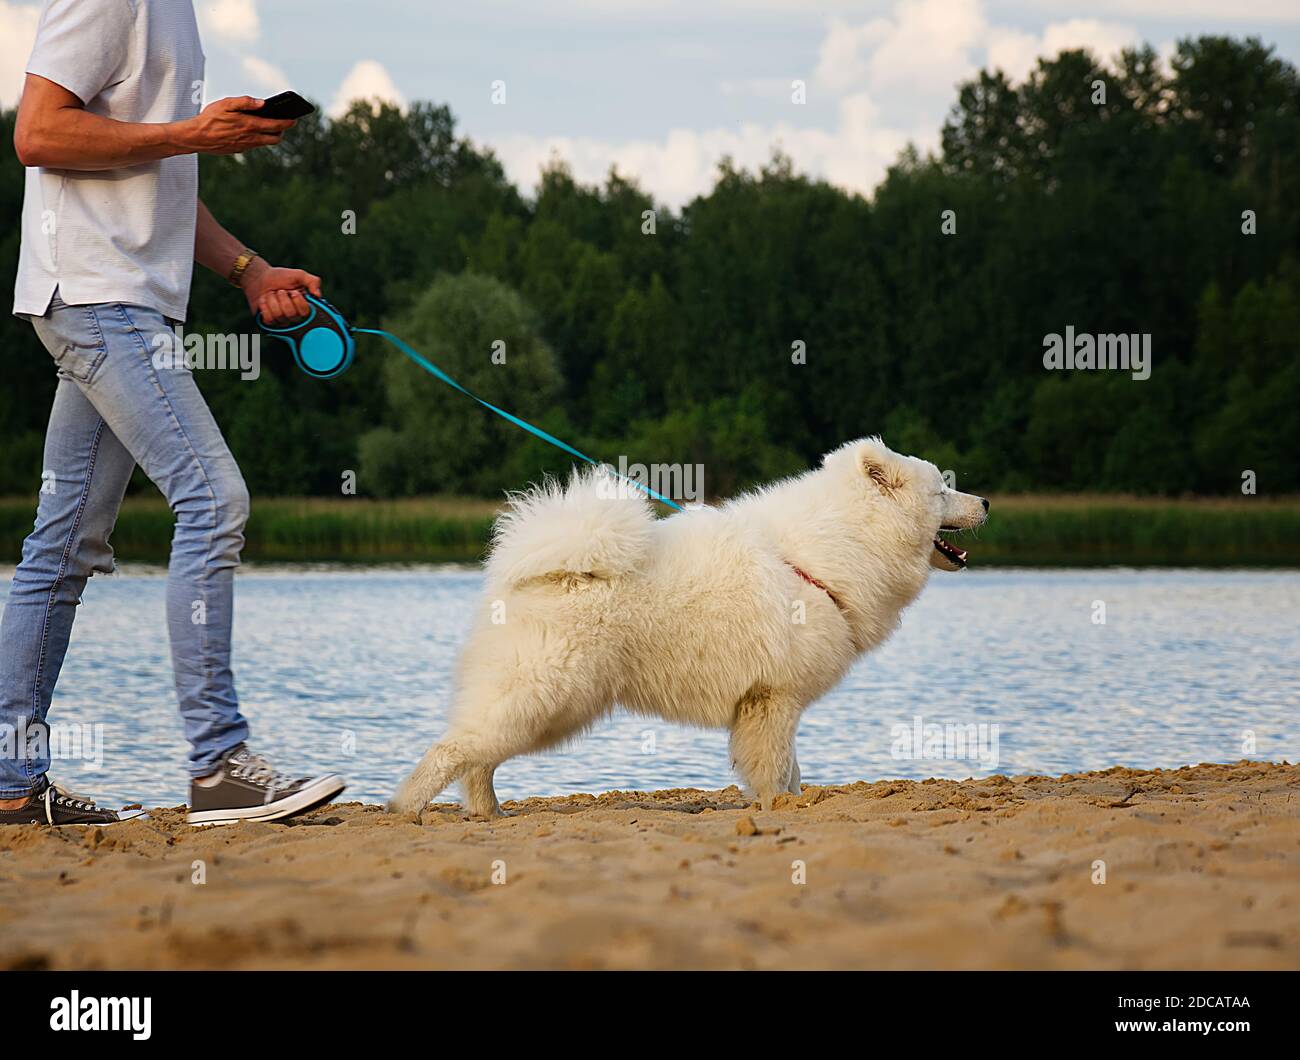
x: 323, y: 347
x: 322, y: 343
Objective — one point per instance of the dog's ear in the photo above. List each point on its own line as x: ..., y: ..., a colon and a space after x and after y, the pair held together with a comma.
x: 880, y: 466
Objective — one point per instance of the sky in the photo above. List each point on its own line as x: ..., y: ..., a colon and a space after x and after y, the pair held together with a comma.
x: 663, y: 89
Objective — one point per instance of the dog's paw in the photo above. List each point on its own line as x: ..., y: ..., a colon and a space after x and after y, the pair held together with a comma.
x: 404, y: 803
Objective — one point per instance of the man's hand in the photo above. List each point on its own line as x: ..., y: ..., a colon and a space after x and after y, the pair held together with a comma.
x: 277, y: 293
x: 222, y: 128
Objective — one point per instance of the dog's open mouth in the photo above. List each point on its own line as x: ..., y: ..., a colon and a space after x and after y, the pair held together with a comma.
x: 950, y: 552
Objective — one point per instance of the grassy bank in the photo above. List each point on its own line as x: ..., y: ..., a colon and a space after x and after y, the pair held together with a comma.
x: 432, y: 529
x: 1086, y: 531
x: 1022, y: 531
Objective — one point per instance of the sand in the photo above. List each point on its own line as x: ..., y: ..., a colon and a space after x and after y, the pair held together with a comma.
x: 1202, y: 870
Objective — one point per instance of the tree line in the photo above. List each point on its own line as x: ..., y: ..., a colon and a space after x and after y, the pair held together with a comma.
x: 777, y: 316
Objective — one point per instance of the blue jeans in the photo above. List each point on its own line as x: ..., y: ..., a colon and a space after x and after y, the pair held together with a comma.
x: 115, y: 408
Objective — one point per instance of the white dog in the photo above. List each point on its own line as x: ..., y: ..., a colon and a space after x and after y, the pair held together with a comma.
x: 735, y: 617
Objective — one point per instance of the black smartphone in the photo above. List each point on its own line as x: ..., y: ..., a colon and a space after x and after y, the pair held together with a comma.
x: 285, y: 106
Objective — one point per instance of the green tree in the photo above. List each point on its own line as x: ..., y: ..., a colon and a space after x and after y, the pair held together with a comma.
x: 437, y: 440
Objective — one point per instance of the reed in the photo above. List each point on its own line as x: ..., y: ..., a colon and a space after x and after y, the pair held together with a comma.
x: 1034, y: 531
x: 1106, y: 531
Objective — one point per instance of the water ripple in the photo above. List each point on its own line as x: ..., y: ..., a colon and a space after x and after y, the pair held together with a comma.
x: 350, y: 669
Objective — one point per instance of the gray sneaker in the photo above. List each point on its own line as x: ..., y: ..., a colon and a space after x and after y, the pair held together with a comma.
x: 251, y: 789
x: 54, y: 805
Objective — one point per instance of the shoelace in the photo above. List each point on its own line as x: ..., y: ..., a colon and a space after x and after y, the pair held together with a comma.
x: 54, y: 794
x: 259, y: 770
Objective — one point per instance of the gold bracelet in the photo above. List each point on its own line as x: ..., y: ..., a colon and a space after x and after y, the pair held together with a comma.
x: 242, y: 262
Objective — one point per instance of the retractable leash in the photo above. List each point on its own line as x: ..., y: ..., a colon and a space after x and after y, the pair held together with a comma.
x: 322, y: 343
x: 323, y: 346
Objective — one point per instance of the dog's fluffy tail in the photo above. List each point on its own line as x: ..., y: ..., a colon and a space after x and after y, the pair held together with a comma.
x: 596, y: 525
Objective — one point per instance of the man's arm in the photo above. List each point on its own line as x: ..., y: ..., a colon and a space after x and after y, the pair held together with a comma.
x: 54, y: 130
x: 275, y: 293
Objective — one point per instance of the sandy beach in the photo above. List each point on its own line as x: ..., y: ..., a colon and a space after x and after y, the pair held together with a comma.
x: 1201, y: 869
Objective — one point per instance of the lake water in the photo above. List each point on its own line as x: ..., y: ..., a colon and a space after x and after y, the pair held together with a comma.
x: 351, y: 669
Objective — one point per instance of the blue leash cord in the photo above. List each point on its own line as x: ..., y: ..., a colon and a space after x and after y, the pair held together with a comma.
x: 438, y: 373
x: 323, y: 347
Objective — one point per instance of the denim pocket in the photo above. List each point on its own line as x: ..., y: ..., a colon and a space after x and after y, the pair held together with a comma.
x: 73, y: 336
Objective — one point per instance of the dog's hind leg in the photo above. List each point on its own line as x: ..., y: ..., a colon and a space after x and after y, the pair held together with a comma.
x: 762, y: 742
x: 474, y: 757
x: 480, y: 796
x: 442, y: 763
x: 794, y: 788
x: 522, y: 689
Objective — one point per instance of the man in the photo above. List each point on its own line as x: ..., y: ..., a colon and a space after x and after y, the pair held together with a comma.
x: 110, y: 128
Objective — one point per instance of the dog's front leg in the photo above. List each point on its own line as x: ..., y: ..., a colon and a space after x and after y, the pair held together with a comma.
x: 762, y: 742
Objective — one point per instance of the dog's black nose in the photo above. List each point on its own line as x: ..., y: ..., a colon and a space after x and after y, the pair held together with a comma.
x: 985, y: 501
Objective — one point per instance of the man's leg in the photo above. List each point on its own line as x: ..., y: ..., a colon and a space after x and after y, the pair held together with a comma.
x: 120, y: 358
x: 152, y: 404
x: 85, y: 473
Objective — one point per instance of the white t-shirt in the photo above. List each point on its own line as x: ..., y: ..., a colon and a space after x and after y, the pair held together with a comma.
x: 118, y: 235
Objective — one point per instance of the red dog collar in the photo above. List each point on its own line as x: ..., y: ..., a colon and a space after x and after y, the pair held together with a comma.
x: 813, y: 581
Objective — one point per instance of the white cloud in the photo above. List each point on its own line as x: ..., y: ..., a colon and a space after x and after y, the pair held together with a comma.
x: 17, y: 32
x: 913, y: 57
x: 231, y: 20
x: 1104, y: 39
x: 367, y: 80
x: 1016, y: 53
x: 1278, y: 11
x: 917, y: 54
x: 842, y: 61
x: 1165, y: 50
x: 267, y: 77
x: 684, y: 163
